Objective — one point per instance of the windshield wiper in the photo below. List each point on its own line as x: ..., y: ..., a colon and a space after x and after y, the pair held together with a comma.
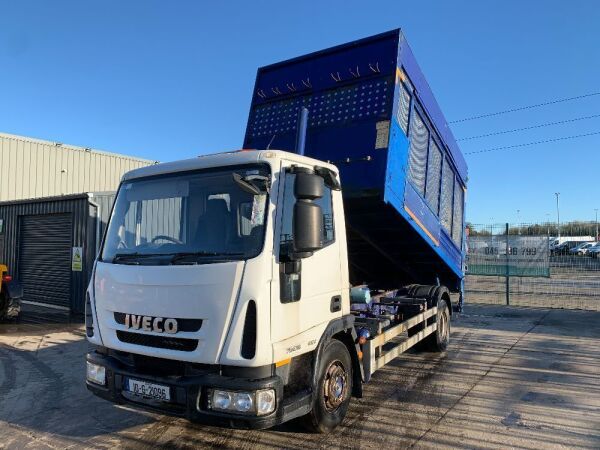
x: 130, y: 258
x: 178, y: 257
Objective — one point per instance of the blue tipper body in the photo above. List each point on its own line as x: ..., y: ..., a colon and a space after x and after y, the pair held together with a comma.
x: 354, y: 95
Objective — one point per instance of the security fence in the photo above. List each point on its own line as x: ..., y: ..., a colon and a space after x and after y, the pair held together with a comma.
x: 530, y: 265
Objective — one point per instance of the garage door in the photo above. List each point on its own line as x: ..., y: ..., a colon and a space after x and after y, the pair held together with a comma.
x: 45, y: 258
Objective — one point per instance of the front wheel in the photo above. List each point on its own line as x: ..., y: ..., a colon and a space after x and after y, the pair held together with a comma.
x: 333, y: 388
x: 3, y: 306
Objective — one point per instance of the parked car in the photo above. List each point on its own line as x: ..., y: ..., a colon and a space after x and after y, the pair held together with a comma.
x: 582, y: 248
x: 565, y: 247
x: 594, y: 251
x: 572, y: 241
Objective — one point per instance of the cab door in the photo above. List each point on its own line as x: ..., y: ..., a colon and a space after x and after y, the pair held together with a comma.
x: 312, y: 295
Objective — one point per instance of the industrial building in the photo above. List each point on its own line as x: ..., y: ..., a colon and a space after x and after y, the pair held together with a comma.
x: 33, y: 168
x: 55, y: 200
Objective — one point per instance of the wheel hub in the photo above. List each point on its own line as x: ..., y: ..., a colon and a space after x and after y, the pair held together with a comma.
x: 443, y: 326
x: 335, y: 386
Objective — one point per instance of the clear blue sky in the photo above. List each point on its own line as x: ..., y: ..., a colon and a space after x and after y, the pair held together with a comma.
x: 169, y: 80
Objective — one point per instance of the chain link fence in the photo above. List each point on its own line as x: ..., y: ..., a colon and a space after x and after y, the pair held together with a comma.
x: 532, y: 265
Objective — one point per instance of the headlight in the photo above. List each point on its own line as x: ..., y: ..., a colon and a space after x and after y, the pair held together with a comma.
x: 258, y: 402
x: 96, y: 373
x: 221, y: 400
x: 243, y: 401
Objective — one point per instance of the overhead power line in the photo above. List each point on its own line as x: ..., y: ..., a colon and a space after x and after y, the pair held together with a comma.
x: 547, y: 124
x: 522, y: 108
x: 527, y: 144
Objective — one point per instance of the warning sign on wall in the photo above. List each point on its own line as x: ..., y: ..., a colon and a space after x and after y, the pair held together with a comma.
x: 77, y: 259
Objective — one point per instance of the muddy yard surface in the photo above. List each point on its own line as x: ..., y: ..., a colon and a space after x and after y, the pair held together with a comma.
x: 513, y: 377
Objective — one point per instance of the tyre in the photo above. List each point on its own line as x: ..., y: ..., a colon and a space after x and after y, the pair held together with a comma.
x: 438, y: 341
x: 333, y: 389
x: 3, y: 307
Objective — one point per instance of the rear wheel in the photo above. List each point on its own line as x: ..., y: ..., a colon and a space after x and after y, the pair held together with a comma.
x: 334, y: 386
x: 438, y: 340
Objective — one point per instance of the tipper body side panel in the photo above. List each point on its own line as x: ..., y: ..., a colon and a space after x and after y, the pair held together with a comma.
x: 372, y: 114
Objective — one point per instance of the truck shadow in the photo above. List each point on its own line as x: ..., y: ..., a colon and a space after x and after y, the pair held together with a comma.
x: 520, y: 376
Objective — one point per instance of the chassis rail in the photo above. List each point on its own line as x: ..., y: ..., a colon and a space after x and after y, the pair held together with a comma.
x: 374, y: 356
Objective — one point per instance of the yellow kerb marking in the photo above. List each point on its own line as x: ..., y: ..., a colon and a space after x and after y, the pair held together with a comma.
x: 283, y: 362
x: 411, y: 214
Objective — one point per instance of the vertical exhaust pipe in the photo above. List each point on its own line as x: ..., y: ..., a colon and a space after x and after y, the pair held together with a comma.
x: 301, y: 130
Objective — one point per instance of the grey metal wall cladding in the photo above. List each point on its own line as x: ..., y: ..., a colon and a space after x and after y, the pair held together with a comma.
x: 82, y: 232
x: 161, y: 217
x: 434, y: 174
x: 101, y: 204
x: 33, y: 168
x: 44, y: 265
x: 158, y: 217
x: 457, y: 215
x: 446, y: 198
x: 417, y: 160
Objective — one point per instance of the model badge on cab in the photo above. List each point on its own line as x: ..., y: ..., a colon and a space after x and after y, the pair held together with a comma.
x: 147, y: 323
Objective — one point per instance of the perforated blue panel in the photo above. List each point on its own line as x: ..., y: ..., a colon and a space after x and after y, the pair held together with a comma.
x: 367, y: 100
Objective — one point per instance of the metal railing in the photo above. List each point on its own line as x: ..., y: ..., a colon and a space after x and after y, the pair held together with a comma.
x: 526, y: 271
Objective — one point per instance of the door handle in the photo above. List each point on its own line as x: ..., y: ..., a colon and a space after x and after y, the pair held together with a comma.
x: 336, y: 304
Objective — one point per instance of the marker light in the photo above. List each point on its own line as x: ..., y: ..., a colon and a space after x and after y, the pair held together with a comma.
x: 265, y: 401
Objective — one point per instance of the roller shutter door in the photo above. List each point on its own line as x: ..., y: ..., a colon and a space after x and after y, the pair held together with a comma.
x: 45, y: 258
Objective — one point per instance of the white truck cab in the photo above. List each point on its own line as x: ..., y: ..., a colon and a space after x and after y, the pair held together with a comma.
x: 221, y: 293
x: 196, y: 268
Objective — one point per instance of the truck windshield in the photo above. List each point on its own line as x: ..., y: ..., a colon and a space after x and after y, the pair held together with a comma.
x: 189, y: 218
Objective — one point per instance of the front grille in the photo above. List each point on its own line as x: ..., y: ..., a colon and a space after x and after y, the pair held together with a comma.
x: 169, y: 343
x: 187, y: 325
x: 249, y: 336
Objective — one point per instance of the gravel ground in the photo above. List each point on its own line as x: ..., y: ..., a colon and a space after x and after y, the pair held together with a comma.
x: 513, y: 377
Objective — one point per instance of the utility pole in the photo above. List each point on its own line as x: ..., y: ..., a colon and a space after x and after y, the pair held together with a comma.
x: 518, y: 221
x: 548, y: 224
x: 596, y: 237
x: 507, y: 268
x: 558, y: 214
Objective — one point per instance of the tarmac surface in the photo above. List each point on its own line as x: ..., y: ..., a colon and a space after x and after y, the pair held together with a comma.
x: 512, y: 377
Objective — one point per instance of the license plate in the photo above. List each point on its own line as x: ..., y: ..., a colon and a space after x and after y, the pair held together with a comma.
x: 148, y: 390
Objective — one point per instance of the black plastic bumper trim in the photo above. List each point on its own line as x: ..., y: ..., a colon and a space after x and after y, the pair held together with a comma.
x: 185, y: 390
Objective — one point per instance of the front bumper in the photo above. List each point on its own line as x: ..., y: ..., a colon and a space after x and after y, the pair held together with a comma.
x: 189, y: 395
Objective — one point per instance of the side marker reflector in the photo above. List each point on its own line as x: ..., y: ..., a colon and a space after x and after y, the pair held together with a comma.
x: 283, y: 362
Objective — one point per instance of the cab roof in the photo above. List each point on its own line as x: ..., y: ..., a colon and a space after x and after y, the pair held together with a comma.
x: 233, y: 158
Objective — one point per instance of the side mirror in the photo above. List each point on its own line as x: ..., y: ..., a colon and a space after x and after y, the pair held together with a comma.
x: 308, y: 186
x: 308, y: 228
x: 308, y: 216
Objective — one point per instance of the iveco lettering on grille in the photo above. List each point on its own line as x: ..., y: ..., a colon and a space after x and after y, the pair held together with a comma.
x: 147, y: 323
